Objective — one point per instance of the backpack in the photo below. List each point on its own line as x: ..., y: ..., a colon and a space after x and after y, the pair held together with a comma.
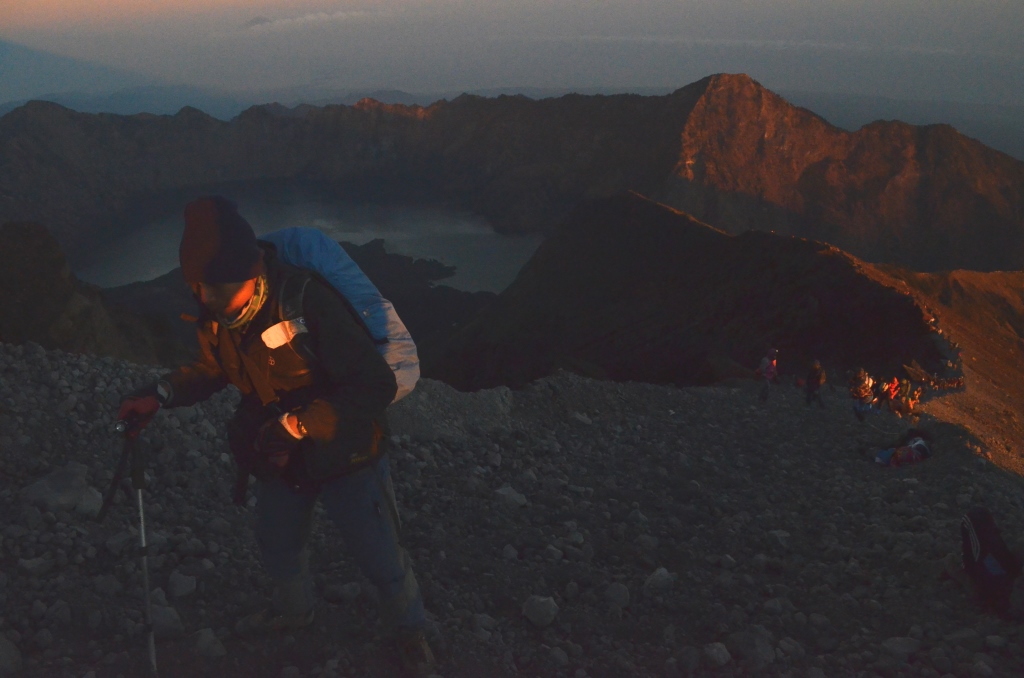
x: 310, y: 249
x: 991, y: 566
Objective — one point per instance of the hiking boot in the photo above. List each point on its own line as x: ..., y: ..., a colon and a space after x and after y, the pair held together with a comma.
x: 414, y: 654
x: 268, y: 621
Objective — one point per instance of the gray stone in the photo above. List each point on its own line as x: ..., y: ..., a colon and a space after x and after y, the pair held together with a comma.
x: 43, y: 639
x: 291, y: 672
x: 343, y: 593
x: 158, y: 597
x: 35, y: 567
x: 559, y: 657
x: 617, y: 594
x: 107, y: 585
x: 119, y: 541
x: 540, y: 610
x: 166, y: 622
x: 995, y: 642
x: 752, y: 647
x: 777, y: 605
x: 485, y: 621
x: 89, y: 503
x: 509, y: 552
x: 966, y: 637
x: 180, y: 585
x: 792, y: 648
x: 511, y: 497
x: 658, y: 582
x: 208, y: 644
x: 61, y: 490
x: 10, y: 657
x: 218, y: 525
x: 717, y: 654
x: 901, y: 647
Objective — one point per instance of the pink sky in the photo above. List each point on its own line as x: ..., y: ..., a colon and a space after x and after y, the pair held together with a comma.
x: 44, y: 14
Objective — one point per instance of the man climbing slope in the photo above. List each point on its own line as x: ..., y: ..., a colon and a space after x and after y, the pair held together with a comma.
x: 311, y: 423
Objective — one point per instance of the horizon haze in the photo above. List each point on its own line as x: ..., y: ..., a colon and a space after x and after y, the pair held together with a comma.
x: 905, y: 49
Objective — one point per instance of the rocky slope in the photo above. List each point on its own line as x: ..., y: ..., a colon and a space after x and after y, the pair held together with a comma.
x: 44, y: 302
x: 724, y: 148
x: 628, y: 289
x: 573, y: 528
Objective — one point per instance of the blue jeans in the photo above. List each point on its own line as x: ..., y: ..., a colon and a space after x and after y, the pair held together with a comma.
x: 360, y: 505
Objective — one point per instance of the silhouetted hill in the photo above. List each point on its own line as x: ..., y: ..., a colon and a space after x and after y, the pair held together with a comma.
x: 631, y: 290
x: 724, y: 149
x: 44, y: 303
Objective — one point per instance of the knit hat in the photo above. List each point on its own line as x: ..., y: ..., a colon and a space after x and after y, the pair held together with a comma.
x: 218, y: 245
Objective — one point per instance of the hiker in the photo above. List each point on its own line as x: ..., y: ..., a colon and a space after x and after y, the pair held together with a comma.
x: 906, y: 400
x: 311, y: 424
x: 913, y: 447
x: 862, y: 392
x: 812, y: 385
x: 769, y: 371
x: 992, y: 568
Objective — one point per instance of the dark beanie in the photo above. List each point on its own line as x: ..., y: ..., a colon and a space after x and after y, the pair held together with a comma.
x: 218, y: 245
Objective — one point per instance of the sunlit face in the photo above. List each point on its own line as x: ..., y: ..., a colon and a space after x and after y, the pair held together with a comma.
x: 225, y: 299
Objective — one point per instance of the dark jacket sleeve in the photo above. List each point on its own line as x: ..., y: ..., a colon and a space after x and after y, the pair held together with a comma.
x: 198, y: 381
x: 359, y: 382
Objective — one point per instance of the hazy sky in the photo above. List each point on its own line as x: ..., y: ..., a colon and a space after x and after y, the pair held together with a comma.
x: 966, y: 50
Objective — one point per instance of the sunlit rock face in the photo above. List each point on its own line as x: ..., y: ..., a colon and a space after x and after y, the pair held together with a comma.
x: 724, y: 149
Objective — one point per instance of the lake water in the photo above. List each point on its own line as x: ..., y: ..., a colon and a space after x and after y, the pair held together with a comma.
x: 484, y: 260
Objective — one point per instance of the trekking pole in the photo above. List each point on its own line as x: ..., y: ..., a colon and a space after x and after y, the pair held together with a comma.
x: 138, y: 483
x: 108, y: 499
x: 133, y: 456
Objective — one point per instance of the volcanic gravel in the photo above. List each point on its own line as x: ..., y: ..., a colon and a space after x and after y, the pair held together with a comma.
x: 574, y: 528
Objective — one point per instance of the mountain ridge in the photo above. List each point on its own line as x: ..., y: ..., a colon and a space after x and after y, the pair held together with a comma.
x: 928, y: 197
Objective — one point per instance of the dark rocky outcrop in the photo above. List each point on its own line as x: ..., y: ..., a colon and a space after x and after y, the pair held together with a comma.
x: 628, y: 289
x: 724, y: 149
x: 44, y: 303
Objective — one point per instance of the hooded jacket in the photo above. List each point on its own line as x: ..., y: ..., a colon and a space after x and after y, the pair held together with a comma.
x: 329, y: 374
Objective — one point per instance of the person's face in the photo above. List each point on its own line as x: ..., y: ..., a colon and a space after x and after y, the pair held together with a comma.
x: 225, y: 299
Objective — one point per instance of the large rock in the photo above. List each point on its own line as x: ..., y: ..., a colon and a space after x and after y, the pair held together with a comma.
x: 751, y: 646
x: 540, y: 610
x: 180, y: 585
x: 166, y: 622
x: 10, y: 657
x: 208, y: 644
x: 61, y: 490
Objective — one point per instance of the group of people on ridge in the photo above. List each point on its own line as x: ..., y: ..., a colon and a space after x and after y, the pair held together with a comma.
x: 896, y: 395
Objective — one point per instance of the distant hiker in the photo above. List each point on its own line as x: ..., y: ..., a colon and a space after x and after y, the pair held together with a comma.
x: 769, y: 371
x: 862, y: 392
x: 906, y: 400
x: 812, y: 385
x: 992, y: 568
x: 913, y: 447
x: 311, y: 424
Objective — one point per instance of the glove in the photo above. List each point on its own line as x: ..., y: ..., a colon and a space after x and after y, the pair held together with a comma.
x: 274, y: 445
x: 137, y: 411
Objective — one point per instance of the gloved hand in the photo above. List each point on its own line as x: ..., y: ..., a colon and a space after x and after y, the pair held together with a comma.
x: 274, y: 445
x: 138, y: 409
